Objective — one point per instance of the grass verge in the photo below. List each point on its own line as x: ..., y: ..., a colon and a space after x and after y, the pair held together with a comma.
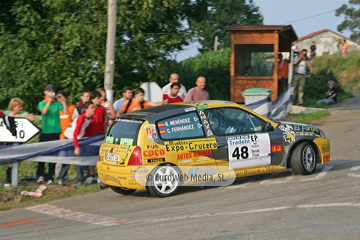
x: 306, y: 117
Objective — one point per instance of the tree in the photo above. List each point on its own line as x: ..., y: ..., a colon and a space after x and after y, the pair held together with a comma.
x: 352, y: 18
x: 221, y: 14
x: 63, y: 42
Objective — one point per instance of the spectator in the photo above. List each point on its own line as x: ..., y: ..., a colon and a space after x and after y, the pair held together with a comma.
x: 85, y: 97
x: 127, y: 94
x: 283, y: 70
x: 174, y: 77
x: 173, y: 96
x: 248, y: 71
x: 50, y: 112
x: 15, y: 109
x: 345, y: 48
x: 339, y: 46
x: 98, y: 125
x: 138, y: 103
x: 107, y: 105
x: 302, y: 67
x: 331, y: 94
x: 65, y: 119
x: 75, y: 132
x: 313, y: 50
x: 198, y: 92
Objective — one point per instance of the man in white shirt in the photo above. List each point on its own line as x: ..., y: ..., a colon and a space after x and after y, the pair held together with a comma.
x: 127, y: 94
x: 174, y: 77
x: 302, y: 67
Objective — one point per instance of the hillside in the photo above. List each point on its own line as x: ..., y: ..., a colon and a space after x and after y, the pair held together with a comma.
x: 346, y: 69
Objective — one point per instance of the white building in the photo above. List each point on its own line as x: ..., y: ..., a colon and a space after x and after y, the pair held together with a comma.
x: 325, y: 41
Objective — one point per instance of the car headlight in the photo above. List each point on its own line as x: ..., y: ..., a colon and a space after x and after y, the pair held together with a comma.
x: 322, y: 134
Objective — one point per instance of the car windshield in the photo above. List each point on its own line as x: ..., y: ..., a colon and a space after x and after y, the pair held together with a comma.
x: 124, y: 132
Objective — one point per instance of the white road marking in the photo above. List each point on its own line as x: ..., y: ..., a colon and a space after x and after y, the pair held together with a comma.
x: 109, y: 221
x: 354, y: 174
x: 273, y: 175
x: 320, y: 175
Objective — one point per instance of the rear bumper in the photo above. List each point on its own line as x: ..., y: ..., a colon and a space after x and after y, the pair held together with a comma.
x: 119, y: 176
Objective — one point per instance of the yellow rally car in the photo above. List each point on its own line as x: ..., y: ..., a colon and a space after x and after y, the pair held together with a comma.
x: 164, y: 147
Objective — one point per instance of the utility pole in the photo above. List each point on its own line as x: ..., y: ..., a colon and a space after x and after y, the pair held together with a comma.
x: 110, y: 49
x: 216, y: 43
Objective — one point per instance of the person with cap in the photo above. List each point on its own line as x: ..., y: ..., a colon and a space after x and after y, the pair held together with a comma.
x: 50, y: 112
x: 331, y: 94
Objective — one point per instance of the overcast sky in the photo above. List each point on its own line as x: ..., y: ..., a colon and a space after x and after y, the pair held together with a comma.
x: 305, y: 16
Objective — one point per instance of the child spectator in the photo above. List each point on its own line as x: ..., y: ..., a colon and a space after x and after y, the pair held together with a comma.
x: 107, y: 105
x: 97, y: 126
x: 138, y: 103
x: 173, y: 96
x: 76, y: 131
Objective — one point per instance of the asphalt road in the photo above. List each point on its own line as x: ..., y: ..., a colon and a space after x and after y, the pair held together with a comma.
x: 325, y: 205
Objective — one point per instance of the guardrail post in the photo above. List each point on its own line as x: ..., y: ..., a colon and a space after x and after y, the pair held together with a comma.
x: 14, y: 174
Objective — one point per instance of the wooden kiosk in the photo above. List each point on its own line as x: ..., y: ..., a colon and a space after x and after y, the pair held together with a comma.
x: 257, y: 47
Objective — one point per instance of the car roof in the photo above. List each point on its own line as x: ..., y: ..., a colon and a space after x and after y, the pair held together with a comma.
x: 169, y: 109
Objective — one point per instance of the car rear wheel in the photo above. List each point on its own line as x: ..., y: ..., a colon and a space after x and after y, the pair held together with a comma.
x: 163, y: 181
x: 303, y: 159
x: 122, y: 190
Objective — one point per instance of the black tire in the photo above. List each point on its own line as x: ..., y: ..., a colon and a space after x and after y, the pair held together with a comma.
x: 164, y: 181
x: 304, y: 159
x: 122, y: 190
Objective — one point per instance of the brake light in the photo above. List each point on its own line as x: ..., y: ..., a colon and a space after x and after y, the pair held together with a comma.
x: 135, y: 158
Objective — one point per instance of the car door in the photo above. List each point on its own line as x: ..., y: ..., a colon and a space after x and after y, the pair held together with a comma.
x: 242, y: 140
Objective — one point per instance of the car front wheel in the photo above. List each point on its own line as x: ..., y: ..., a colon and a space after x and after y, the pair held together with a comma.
x: 303, y: 159
x: 122, y: 190
x: 163, y: 181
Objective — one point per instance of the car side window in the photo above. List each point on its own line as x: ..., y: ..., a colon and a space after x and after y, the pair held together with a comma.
x: 229, y: 121
x: 183, y: 126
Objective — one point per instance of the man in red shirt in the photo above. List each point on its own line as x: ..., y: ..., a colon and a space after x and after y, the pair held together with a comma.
x: 97, y: 126
x: 173, y: 96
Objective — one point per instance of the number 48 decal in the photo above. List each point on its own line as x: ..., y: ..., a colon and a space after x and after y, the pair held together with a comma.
x: 242, y: 153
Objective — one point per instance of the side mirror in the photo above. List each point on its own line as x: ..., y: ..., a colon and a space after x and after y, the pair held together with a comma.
x: 268, y: 127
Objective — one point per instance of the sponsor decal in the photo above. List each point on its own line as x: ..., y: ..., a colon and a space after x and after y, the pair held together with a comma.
x: 126, y: 141
x: 325, y: 148
x: 202, y: 107
x: 190, y: 109
x: 156, y: 160
x: 127, y: 120
x: 176, y: 146
x: 152, y: 146
x: 326, y: 158
x: 306, y: 130
x: 156, y: 152
x: 249, y: 150
x: 288, y: 133
x: 276, y: 148
x: 111, y: 178
x: 256, y: 171
x: 112, y: 157
x: 109, y: 139
x: 185, y: 161
x: 205, y: 123
x: 194, y: 154
x: 150, y: 131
